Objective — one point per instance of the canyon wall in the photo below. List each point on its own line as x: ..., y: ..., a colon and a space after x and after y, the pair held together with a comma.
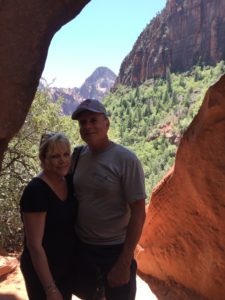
x: 184, y: 34
x: 183, y: 237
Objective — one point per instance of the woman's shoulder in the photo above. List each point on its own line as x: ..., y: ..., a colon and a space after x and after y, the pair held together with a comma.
x: 35, y: 186
x: 34, y: 195
x: 35, y: 183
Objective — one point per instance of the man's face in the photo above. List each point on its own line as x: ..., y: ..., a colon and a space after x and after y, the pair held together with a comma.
x: 93, y: 127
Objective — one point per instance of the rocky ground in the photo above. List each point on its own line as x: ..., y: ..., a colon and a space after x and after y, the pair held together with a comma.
x: 12, y: 287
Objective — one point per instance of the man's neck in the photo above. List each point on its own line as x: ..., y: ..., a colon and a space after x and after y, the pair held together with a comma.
x: 96, y: 148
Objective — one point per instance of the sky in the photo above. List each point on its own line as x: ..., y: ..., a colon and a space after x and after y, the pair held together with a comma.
x: 102, y: 34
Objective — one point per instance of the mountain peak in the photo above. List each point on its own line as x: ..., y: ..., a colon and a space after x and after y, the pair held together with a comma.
x: 102, y: 71
x: 96, y: 86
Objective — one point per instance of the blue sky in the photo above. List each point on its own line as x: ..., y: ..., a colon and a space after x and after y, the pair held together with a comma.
x: 101, y: 35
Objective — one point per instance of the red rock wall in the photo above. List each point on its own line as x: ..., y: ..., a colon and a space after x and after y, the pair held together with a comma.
x: 184, y: 233
x: 184, y: 34
x: 27, y: 27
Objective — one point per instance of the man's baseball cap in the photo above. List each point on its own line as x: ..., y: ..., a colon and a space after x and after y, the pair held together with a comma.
x: 90, y: 105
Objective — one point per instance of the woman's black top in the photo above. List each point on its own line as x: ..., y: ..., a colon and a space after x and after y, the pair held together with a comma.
x: 58, y: 239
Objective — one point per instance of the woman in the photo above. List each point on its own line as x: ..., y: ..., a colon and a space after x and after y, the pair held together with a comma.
x: 48, y: 213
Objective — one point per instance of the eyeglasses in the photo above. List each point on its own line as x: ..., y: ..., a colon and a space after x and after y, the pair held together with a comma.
x: 45, y: 136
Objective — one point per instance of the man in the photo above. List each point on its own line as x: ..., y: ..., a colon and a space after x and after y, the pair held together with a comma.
x: 109, y: 186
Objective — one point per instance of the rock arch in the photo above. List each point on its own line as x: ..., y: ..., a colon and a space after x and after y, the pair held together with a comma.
x: 27, y: 27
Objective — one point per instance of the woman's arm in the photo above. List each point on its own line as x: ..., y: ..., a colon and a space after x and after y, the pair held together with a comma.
x: 34, y: 225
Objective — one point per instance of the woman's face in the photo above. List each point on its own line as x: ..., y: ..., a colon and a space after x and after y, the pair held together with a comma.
x: 57, y: 159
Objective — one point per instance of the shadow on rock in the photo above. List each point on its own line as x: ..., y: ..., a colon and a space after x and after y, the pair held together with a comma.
x: 170, y: 290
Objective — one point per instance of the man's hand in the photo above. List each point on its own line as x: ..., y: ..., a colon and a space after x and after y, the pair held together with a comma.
x: 119, y: 274
x: 54, y: 294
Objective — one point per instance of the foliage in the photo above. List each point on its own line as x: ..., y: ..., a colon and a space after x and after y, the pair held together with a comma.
x: 151, y: 118
x: 21, y: 163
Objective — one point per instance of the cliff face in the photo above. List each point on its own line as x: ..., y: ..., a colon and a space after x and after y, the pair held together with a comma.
x: 183, y: 237
x: 184, y: 34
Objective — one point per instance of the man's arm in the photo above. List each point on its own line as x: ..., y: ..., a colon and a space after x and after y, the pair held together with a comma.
x: 120, y: 272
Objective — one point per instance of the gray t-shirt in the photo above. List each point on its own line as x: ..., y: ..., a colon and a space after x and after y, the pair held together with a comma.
x: 105, y: 184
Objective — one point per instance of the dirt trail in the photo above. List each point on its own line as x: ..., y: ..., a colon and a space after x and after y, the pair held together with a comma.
x: 12, y: 287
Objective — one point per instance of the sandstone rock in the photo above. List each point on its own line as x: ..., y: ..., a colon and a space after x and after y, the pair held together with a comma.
x: 183, y: 237
x: 7, y: 265
x: 184, y: 34
x: 27, y: 27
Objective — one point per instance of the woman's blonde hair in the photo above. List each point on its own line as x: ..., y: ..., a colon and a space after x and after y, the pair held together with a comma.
x: 51, y: 140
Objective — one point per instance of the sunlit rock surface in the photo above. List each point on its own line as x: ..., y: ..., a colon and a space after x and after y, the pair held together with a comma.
x: 183, y: 34
x: 184, y: 233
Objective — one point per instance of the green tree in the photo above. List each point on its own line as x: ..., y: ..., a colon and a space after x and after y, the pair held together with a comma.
x: 168, y: 81
x: 21, y: 163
